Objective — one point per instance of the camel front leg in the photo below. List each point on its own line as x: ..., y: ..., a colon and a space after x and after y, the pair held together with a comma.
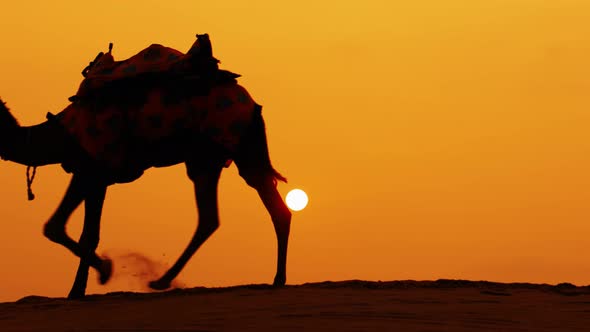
x: 90, y: 237
x: 205, y: 185
x: 55, y: 228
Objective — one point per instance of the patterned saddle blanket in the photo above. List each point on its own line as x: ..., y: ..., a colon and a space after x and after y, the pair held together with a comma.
x: 155, y: 60
x: 113, y: 134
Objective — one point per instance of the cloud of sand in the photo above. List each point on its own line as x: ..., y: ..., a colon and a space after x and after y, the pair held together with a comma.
x: 137, y: 270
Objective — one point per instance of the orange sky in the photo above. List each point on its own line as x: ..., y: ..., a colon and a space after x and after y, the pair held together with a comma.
x: 436, y: 139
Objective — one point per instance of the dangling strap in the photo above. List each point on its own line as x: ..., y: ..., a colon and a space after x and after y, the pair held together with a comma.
x: 30, y: 179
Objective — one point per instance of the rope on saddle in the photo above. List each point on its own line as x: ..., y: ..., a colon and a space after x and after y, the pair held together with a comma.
x: 30, y: 179
x: 92, y: 63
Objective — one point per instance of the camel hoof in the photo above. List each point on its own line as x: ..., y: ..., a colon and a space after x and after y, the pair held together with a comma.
x: 279, y: 281
x: 105, y: 271
x: 75, y: 295
x: 53, y: 233
x: 159, y: 285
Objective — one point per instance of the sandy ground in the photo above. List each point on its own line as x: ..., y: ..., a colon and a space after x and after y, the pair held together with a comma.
x: 443, y: 305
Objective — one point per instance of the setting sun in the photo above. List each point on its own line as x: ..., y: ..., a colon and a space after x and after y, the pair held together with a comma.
x: 297, y: 199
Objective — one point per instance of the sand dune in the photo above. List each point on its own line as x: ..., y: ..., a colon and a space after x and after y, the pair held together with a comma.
x: 442, y: 305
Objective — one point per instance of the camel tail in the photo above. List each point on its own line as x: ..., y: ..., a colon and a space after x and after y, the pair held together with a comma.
x: 252, y: 157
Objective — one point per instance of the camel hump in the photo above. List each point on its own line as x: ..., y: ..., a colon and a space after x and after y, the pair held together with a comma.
x: 155, y: 61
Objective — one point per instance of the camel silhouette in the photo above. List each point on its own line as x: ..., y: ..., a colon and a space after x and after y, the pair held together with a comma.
x: 204, y: 147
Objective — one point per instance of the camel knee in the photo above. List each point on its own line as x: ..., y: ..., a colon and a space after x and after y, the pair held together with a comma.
x: 274, y: 203
x: 54, y: 232
x: 208, y: 227
x: 284, y: 216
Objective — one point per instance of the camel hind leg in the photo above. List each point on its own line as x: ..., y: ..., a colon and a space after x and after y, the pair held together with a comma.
x: 281, y: 219
x: 253, y: 162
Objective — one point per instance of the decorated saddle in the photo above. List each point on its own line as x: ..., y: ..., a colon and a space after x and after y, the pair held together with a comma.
x: 155, y: 62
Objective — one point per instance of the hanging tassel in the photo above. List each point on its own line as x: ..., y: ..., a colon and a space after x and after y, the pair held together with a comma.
x: 30, y: 179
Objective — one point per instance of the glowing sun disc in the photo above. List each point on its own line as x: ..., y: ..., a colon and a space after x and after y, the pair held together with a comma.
x: 296, y: 199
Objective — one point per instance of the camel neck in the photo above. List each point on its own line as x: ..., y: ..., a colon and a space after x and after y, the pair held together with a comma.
x: 37, y: 145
